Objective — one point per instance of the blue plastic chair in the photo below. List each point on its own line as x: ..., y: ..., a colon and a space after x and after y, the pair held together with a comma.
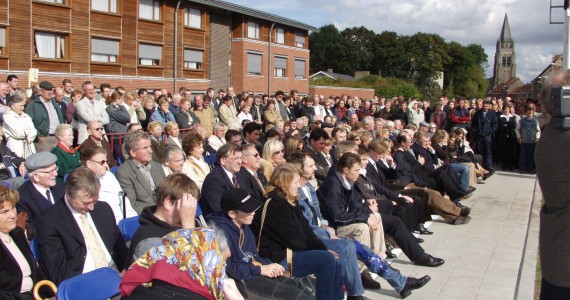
x: 65, y: 177
x: 114, y: 170
x: 6, y: 184
x: 200, y: 216
x: 35, y: 250
x: 128, y: 227
x: 99, y: 284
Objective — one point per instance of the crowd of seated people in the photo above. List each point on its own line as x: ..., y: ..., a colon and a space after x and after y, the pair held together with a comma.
x: 292, y: 186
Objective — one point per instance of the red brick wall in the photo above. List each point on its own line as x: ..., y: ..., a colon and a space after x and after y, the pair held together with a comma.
x: 243, y: 82
x: 337, y: 91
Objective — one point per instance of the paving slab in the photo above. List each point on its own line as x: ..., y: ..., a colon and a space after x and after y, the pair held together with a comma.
x: 492, y: 257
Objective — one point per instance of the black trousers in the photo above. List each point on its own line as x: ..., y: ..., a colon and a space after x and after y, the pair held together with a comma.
x: 440, y: 181
x: 548, y: 291
x: 278, y: 288
x: 410, y: 213
x: 406, y: 240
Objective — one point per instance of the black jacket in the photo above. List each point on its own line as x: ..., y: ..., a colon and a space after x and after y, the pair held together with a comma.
x: 341, y: 206
x: 34, y: 203
x: 286, y: 227
x: 61, y: 243
x: 215, y: 185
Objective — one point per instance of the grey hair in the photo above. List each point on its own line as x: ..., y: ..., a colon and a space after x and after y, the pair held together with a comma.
x: 133, y: 138
x: 169, y: 150
x: 221, y: 236
x: 367, y: 119
x: 219, y: 125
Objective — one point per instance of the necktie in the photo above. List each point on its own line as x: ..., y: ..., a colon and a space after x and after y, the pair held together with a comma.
x: 95, y: 248
x: 48, y: 194
x: 259, y: 182
x: 235, y: 182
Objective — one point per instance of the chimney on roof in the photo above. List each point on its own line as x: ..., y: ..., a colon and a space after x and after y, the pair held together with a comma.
x: 330, y: 70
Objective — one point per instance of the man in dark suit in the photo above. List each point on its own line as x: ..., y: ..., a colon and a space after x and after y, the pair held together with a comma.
x: 79, y: 234
x: 222, y: 178
x: 484, y: 124
x: 41, y: 191
x: 139, y: 175
x: 315, y: 146
x: 255, y: 181
x: 251, y: 134
x: 95, y: 139
x: 281, y: 106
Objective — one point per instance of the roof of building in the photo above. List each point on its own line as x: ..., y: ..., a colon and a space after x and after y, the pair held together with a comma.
x: 506, y: 31
x: 255, y: 13
x: 523, y: 90
x: 502, y: 87
x: 334, y: 76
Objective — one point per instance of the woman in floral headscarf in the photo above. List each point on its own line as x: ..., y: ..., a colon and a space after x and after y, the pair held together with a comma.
x: 187, y: 264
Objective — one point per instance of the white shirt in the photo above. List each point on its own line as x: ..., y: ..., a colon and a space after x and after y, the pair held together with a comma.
x: 89, y: 263
x: 109, y: 193
x: 43, y: 191
x: 216, y: 142
x: 230, y: 175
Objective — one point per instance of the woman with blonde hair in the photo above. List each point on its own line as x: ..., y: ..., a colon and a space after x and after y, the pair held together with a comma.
x: 286, y: 237
x: 272, y: 156
x: 271, y: 116
x: 172, y: 132
x: 293, y: 144
x: 439, y: 142
x: 68, y: 158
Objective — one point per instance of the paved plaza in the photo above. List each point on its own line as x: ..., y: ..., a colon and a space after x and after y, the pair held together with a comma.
x: 492, y: 257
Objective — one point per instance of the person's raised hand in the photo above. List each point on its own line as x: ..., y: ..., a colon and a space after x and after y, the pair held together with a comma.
x: 186, y: 207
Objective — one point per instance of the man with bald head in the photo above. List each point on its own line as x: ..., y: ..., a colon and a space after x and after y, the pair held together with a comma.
x: 95, y: 139
x: 58, y: 96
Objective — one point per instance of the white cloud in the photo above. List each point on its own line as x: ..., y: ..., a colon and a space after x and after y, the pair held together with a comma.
x: 465, y: 21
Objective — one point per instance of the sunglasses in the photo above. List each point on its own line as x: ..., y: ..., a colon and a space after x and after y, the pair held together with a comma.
x: 102, y: 163
x: 98, y: 129
x: 277, y: 152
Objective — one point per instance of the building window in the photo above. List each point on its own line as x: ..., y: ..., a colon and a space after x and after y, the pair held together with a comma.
x: 300, y: 68
x: 103, y: 50
x: 109, y: 6
x: 280, y: 36
x: 55, y: 1
x: 193, y: 18
x: 254, y: 63
x: 150, y: 55
x: 253, y: 30
x: 300, y: 40
x: 2, y: 40
x: 149, y: 9
x: 506, y: 61
x: 193, y: 59
x: 50, y: 45
x: 280, y: 66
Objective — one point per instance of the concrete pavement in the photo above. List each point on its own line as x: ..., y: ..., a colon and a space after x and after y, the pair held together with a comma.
x: 492, y: 257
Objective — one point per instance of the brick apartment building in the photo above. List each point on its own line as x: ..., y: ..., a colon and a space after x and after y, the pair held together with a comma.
x: 154, y: 44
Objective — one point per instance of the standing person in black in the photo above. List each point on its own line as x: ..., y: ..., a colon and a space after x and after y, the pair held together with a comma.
x: 317, y: 140
x: 507, y: 139
x: 484, y: 124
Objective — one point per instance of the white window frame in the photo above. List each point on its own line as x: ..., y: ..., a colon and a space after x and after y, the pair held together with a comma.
x: 191, y: 19
x: 3, y: 38
x: 280, y: 66
x: 104, y: 50
x: 62, y: 2
x: 251, y: 69
x: 298, y: 37
x: 50, y: 45
x: 253, y: 29
x: 151, y: 11
x: 280, y: 36
x: 108, y: 6
x: 297, y: 74
x: 146, y: 59
x: 193, y: 59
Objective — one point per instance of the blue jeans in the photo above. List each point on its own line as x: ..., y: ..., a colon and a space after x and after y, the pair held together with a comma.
x: 376, y: 265
x: 347, y: 252
x: 463, y: 171
x: 329, y: 272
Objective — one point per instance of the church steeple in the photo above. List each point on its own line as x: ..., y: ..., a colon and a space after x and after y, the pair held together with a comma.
x: 506, y: 31
x: 505, y: 67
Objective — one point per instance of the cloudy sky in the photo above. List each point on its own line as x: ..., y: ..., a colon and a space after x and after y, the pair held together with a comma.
x: 463, y: 21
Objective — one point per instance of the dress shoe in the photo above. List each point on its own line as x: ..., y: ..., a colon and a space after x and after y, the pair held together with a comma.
x: 412, y: 284
x: 459, y: 204
x: 460, y: 220
x: 430, y: 262
x: 389, y: 254
x: 360, y: 297
x: 465, y: 211
x: 367, y: 281
x: 420, y: 240
x: 423, y: 230
x: 511, y: 169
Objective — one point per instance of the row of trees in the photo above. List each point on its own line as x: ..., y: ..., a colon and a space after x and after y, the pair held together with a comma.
x: 419, y: 58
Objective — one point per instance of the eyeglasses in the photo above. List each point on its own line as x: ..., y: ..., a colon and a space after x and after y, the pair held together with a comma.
x: 234, y: 158
x: 50, y: 171
x: 256, y: 155
x: 277, y: 152
x: 103, y: 162
x: 98, y: 129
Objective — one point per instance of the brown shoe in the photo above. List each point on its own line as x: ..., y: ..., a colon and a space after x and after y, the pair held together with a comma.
x: 465, y: 211
x: 460, y: 220
x: 368, y: 282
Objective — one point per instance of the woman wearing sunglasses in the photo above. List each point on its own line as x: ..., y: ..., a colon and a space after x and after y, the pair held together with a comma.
x: 95, y: 159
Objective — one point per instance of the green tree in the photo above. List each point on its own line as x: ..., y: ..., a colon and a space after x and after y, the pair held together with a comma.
x: 428, y: 53
x: 360, y: 43
x: 327, y: 50
x: 391, y: 58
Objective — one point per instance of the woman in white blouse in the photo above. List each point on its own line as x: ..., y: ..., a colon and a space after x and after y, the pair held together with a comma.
x: 95, y: 159
x: 19, y: 128
x: 245, y: 114
x: 195, y: 167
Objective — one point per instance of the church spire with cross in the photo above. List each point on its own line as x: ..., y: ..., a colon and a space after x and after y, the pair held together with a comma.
x: 505, y: 67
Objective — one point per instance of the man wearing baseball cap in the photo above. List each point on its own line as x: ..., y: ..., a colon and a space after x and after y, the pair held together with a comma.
x: 261, y: 277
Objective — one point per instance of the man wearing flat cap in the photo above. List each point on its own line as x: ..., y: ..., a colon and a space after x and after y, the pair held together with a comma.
x: 41, y: 191
x: 46, y: 116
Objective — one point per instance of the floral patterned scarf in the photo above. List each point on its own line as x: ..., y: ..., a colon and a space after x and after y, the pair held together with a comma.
x: 190, y: 259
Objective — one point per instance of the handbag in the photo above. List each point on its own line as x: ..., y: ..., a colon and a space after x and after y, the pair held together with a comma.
x: 288, y: 251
